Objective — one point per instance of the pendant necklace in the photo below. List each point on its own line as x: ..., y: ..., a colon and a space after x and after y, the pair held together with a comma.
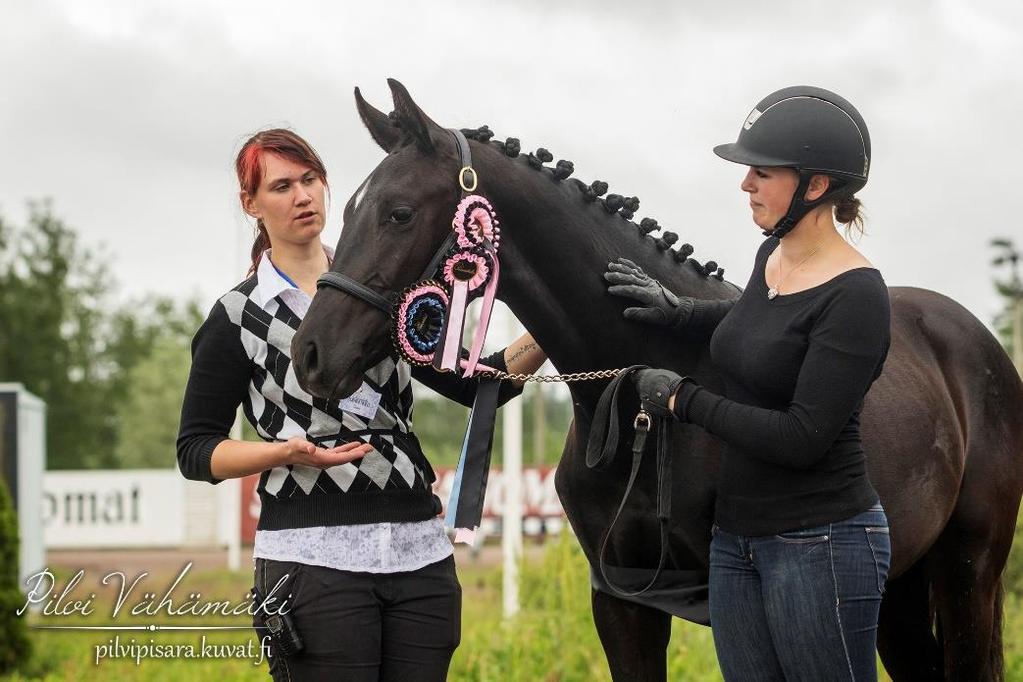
x: 772, y: 292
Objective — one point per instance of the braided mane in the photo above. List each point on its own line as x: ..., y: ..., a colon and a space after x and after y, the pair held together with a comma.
x: 624, y: 207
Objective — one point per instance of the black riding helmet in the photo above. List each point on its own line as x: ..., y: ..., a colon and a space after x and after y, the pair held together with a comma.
x: 811, y: 130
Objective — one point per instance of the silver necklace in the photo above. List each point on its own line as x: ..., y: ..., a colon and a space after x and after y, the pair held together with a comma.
x: 772, y: 292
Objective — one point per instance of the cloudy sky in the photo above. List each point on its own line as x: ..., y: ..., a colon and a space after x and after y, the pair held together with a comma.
x: 128, y: 115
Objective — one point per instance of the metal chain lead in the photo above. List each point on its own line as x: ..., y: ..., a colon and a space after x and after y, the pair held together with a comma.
x: 554, y: 378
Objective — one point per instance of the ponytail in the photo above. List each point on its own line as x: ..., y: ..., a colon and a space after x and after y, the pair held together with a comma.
x: 261, y: 244
x: 848, y: 212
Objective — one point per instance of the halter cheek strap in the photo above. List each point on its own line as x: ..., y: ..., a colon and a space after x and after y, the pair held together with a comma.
x: 385, y: 302
x: 467, y: 179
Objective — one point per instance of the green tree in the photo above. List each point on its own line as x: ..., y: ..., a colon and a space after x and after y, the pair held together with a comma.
x: 1009, y: 321
x: 148, y: 415
x: 52, y: 295
x: 15, y: 645
x: 63, y: 337
x: 1008, y: 324
x: 440, y: 426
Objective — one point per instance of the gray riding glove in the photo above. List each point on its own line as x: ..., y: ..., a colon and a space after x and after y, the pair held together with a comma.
x: 660, y: 306
x: 655, y: 388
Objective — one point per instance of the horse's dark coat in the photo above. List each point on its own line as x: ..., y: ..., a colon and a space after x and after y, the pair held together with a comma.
x: 943, y: 425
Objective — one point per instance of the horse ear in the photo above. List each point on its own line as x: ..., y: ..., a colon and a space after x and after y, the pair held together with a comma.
x: 380, y: 127
x: 411, y: 117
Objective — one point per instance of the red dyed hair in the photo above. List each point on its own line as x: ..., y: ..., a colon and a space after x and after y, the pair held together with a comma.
x: 249, y: 167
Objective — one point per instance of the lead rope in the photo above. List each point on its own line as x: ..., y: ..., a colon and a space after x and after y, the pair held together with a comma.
x: 552, y: 378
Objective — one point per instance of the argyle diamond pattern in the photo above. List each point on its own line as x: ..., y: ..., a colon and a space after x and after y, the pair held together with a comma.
x: 280, y: 409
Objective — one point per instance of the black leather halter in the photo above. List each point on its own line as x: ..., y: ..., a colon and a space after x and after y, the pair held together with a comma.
x: 386, y: 300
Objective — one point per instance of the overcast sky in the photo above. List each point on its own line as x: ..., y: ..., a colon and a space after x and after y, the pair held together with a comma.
x: 129, y: 114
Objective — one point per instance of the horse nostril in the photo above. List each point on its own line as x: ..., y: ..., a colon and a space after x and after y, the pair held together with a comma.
x: 311, y: 358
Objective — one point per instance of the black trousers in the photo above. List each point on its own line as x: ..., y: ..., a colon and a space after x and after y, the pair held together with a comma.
x: 367, y: 626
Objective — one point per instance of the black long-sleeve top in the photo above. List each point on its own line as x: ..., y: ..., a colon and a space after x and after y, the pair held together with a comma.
x: 796, y: 370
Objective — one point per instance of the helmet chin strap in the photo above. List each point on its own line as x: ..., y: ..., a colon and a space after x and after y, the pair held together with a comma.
x: 799, y: 207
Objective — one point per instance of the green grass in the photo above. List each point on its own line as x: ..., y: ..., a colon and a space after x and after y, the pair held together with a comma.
x: 552, y: 639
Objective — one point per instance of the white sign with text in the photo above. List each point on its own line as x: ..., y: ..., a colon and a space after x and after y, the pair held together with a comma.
x: 129, y: 508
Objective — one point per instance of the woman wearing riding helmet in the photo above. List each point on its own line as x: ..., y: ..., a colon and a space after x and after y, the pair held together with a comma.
x: 349, y: 546
x: 800, y: 548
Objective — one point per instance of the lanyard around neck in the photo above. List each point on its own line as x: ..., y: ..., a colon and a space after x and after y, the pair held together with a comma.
x: 283, y: 276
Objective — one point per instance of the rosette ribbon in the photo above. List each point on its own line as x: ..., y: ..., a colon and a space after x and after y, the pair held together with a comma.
x: 473, y: 264
x: 465, y: 506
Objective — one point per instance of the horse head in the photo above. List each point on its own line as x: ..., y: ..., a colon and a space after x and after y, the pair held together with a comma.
x: 393, y: 224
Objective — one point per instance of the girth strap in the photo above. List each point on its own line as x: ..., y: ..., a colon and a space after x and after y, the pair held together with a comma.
x: 600, y: 453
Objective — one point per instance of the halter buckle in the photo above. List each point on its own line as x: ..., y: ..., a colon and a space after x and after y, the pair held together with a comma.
x: 465, y: 184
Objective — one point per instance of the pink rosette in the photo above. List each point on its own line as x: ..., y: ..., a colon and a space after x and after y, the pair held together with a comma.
x: 476, y: 221
x: 466, y: 262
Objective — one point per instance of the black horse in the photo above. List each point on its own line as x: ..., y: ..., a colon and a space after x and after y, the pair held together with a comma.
x: 942, y: 425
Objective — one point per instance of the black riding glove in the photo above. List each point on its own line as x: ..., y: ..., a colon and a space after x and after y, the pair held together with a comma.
x: 655, y: 388
x: 660, y: 306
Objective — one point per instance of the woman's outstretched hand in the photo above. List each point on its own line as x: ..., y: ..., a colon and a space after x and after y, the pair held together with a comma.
x: 659, y: 306
x: 300, y: 451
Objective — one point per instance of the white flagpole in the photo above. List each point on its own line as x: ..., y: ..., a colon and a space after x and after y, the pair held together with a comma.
x: 511, y: 527
x: 234, y: 506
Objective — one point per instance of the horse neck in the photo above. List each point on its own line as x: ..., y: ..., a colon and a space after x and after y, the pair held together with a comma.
x: 554, y: 250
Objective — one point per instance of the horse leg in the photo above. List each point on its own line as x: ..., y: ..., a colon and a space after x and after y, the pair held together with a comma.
x: 966, y: 562
x: 968, y: 598
x: 634, y: 637
x: 905, y: 640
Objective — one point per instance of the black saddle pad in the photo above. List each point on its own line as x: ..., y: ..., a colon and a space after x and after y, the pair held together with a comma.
x: 680, y: 593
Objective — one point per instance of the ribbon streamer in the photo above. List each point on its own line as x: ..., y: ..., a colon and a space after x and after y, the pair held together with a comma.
x: 446, y: 355
x: 465, y: 506
x: 488, y: 304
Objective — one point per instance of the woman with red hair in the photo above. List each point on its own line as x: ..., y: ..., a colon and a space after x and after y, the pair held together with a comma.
x: 354, y: 573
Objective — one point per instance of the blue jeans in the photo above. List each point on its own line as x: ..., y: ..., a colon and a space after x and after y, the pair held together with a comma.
x: 801, y: 605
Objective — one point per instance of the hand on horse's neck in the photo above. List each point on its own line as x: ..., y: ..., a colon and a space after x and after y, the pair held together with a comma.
x: 303, y: 263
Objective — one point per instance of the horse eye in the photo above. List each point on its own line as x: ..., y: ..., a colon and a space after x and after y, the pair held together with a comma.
x: 402, y: 215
